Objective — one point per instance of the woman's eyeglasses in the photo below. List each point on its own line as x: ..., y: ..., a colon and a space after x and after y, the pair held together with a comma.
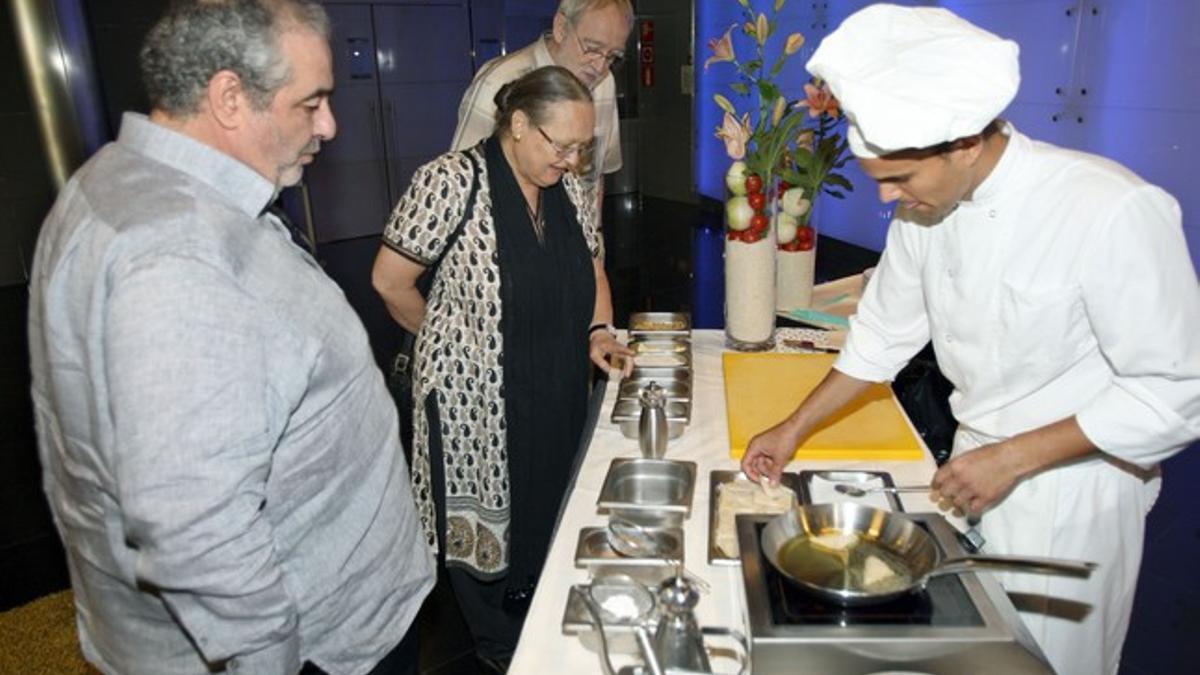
x: 563, y: 152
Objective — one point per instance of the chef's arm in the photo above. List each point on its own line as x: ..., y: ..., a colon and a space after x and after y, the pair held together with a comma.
x: 395, y: 279
x: 976, y: 480
x: 601, y: 343
x: 770, y: 450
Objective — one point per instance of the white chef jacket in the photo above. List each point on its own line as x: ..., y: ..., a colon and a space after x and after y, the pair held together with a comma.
x: 1064, y: 287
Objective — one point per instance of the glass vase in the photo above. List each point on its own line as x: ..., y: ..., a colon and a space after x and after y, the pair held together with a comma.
x: 750, y: 288
x: 795, y: 272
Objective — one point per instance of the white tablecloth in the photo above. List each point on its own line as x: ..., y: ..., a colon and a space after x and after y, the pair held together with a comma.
x: 543, y: 648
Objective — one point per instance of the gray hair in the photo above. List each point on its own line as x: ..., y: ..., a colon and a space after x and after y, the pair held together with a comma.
x: 574, y: 10
x: 534, y: 92
x: 196, y: 39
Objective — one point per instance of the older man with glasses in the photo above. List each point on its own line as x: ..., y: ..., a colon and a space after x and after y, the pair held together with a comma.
x: 587, y: 38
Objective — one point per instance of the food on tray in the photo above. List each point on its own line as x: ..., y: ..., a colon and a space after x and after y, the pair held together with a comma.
x: 620, y: 607
x: 741, y: 496
x: 658, y: 347
x: 659, y: 360
x: 878, y: 576
x: 835, y: 541
x: 659, y: 324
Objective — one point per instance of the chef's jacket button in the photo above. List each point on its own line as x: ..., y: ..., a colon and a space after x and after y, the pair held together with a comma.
x: 949, y: 337
x: 992, y: 213
x: 951, y: 273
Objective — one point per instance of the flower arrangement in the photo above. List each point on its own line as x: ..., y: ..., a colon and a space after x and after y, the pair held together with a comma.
x: 775, y: 142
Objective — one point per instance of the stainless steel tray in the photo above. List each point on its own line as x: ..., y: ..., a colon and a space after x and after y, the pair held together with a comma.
x: 674, y: 390
x: 594, y: 552
x: 838, y: 476
x: 716, y: 479
x: 628, y: 412
x: 660, y: 323
x: 661, y: 374
x: 650, y: 492
x: 650, y: 344
x: 672, y: 360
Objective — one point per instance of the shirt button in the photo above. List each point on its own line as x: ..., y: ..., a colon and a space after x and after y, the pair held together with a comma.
x: 992, y: 213
x: 949, y: 337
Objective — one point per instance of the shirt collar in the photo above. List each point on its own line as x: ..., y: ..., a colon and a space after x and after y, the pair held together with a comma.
x: 240, y: 185
x: 990, y: 189
x: 541, y: 52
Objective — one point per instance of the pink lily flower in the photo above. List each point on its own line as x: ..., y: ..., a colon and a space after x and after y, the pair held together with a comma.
x: 735, y: 134
x: 819, y: 101
x: 722, y: 48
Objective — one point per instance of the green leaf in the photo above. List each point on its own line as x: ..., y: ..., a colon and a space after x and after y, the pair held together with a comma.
x: 840, y: 181
x: 779, y: 4
x: 835, y: 194
x: 741, y: 88
x: 769, y: 91
x: 724, y: 104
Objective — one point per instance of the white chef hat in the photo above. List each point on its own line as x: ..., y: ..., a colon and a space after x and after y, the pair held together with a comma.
x: 914, y: 77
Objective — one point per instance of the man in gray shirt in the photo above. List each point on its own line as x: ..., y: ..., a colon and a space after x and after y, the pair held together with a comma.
x: 220, y: 451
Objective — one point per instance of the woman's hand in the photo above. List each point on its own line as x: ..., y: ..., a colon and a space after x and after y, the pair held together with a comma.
x: 603, y: 347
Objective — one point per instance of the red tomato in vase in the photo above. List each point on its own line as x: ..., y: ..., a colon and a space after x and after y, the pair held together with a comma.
x: 757, y: 201
x: 759, y: 223
x: 753, y: 183
x: 806, y: 238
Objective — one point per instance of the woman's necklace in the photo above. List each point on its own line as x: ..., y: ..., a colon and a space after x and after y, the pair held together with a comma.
x: 536, y: 217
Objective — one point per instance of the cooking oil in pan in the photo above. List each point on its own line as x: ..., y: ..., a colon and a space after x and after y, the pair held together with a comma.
x: 843, y: 561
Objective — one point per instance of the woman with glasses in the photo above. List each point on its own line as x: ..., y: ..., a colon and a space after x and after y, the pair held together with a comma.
x: 501, y: 363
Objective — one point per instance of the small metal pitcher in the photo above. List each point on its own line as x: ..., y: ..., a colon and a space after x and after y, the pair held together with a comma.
x: 678, y: 641
x: 652, y: 425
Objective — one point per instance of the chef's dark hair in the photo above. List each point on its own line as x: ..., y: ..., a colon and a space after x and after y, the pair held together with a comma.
x: 534, y: 92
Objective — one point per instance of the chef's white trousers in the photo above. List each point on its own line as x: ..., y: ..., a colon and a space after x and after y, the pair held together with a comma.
x: 1093, y: 510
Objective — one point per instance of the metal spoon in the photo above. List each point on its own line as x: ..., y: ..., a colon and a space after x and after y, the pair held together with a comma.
x: 632, y: 540
x: 855, y: 491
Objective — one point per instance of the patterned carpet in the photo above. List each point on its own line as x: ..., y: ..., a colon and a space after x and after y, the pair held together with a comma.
x: 39, y: 638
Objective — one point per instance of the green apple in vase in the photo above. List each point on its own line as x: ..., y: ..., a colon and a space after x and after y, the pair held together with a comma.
x: 745, y: 211
x: 792, y: 234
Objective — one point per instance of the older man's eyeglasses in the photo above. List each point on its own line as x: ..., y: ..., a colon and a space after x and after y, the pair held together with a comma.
x: 611, y: 59
x: 564, y: 151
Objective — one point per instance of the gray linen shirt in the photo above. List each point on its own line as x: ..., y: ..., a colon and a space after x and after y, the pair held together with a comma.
x: 219, y: 448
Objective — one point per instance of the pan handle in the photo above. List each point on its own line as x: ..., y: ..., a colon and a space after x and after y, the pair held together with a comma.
x: 1015, y: 563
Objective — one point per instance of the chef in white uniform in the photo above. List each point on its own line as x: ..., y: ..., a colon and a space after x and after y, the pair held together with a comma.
x: 1058, y: 292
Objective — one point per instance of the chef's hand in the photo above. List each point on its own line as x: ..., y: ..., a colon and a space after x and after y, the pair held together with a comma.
x: 769, y: 452
x: 977, y: 480
x: 602, y: 347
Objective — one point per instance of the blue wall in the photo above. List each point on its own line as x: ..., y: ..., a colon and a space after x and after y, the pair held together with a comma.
x: 1141, y: 105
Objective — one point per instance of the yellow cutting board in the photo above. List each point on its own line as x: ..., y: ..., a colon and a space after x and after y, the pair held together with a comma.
x: 762, y: 389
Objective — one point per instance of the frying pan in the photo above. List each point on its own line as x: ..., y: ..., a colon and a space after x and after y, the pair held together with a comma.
x: 852, y: 554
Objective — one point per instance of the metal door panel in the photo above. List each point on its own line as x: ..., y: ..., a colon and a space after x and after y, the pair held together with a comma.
x: 665, y: 110
x: 419, y: 121
x: 348, y: 181
x: 423, y: 44
x: 1138, y: 52
x: 1045, y: 32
